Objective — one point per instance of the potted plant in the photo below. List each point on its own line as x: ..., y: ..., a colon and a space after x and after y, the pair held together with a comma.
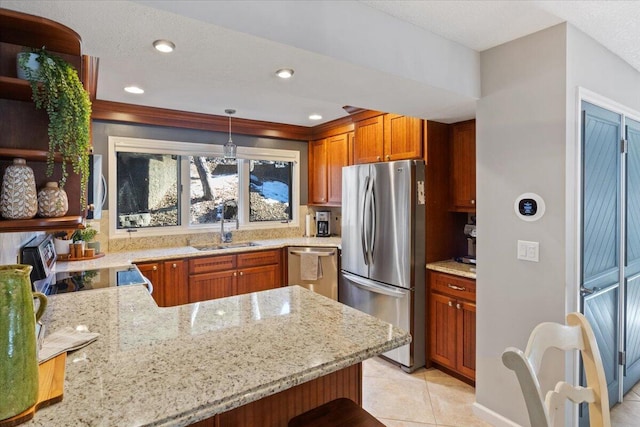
x: 57, y: 89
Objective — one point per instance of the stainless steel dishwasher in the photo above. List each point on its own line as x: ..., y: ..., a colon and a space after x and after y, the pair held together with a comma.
x: 326, y: 281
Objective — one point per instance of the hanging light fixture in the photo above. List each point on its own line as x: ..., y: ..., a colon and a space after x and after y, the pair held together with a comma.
x: 230, y: 147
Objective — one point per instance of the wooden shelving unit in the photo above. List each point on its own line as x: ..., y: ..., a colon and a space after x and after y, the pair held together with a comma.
x: 23, y: 130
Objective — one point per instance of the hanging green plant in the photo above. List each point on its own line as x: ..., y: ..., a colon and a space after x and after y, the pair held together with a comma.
x: 57, y: 89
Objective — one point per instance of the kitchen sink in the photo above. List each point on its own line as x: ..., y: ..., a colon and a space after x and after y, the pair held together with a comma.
x: 225, y: 246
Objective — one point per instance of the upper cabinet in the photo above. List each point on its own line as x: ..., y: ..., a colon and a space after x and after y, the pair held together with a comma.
x: 463, y: 166
x: 23, y: 128
x: 387, y: 137
x: 327, y: 157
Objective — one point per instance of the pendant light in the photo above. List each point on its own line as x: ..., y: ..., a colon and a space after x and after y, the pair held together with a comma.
x: 230, y: 147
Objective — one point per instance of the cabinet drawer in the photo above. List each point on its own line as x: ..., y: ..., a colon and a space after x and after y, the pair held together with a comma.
x: 253, y: 259
x: 212, y: 264
x: 457, y: 287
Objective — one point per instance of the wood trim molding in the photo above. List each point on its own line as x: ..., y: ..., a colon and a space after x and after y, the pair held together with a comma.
x: 140, y: 114
x: 90, y: 75
x: 334, y: 127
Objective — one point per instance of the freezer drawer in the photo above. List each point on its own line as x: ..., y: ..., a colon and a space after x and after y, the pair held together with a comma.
x: 388, y: 303
x: 328, y: 257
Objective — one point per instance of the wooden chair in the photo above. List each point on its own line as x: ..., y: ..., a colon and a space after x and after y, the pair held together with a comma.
x: 575, y: 335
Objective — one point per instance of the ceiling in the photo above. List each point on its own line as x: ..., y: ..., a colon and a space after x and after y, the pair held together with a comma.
x: 411, y: 57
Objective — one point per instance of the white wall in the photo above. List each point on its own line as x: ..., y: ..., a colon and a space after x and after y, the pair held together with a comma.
x: 520, y: 148
x: 527, y: 141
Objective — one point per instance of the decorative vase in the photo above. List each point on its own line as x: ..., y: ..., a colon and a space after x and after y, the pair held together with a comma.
x: 18, y: 353
x: 18, y: 198
x: 52, y: 201
x: 95, y: 246
x: 31, y: 63
x: 62, y: 246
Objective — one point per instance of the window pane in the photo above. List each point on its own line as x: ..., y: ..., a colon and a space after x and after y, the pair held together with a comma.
x: 212, y: 182
x: 147, y: 190
x: 270, y: 191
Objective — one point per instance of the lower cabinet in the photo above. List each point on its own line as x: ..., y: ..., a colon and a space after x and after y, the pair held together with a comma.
x: 177, y: 282
x: 452, y: 338
x: 169, y: 280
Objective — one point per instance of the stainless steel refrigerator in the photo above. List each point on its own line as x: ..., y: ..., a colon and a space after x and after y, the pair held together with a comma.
x: 383, y: 249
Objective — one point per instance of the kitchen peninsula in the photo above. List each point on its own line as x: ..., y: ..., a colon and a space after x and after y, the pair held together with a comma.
x: 246, y: 360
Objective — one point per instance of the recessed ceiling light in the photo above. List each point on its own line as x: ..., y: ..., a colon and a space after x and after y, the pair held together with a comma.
x: 284, y: 73
x: 164, y: 46
x: 134, y: 89
x: 315, y: 117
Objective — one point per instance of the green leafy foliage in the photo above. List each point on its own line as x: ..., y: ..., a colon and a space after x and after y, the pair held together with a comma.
x: 57, y: 89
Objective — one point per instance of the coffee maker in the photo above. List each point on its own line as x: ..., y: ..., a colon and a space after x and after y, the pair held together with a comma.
x: 323, y: 221
x: 470, y: 232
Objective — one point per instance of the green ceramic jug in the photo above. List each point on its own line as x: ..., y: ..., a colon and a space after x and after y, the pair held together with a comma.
x: 18, y: 357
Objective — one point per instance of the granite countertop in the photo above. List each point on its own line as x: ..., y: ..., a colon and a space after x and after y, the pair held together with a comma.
x: 119, y: 259
x: 177, y: 365
x: 453, y: 267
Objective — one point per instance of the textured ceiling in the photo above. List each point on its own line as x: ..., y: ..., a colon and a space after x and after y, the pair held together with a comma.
x: 410, y: 57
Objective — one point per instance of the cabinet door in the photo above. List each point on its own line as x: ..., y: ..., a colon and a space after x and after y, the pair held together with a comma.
x: 442, y: 341
x: 153, y: 272
x: 338, y: 156
x: 466, y: 334
x: 256, y: 279
x: 318, y: 172
x: 208, y: 286
x: 175, y: 282
x: 463, y: 166
x: 368, y: 144
x: 402, y: 137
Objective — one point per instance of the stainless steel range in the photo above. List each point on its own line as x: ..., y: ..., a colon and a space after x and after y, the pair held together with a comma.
x: 40, y: 253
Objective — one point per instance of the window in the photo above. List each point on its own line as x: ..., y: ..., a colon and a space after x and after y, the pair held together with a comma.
x: 182, y: 187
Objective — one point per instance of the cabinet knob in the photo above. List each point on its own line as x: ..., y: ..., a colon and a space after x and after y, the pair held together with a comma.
x: 174, y: 265
x: 473, y: 202
x: 241, y: 273
x: 378, y: 158
x: 388, y: 157
x: 458, y: 306
x: 155, y: 268
x: 235, y: 274
x: 450, y: 304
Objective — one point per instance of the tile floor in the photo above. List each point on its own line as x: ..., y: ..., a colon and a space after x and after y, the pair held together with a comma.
x: 429, y: 397
x: 425, y: 398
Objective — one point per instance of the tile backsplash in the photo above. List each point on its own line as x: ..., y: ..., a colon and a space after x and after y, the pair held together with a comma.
x: 10, y: 244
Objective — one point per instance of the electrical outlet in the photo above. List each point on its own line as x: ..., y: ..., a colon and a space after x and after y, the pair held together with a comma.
x: 528, y: 251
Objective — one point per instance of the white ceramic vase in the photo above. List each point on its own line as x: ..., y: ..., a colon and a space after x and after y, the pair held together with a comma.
x: 18, y: 199
x: 32, y: 64
x: 52, y: 201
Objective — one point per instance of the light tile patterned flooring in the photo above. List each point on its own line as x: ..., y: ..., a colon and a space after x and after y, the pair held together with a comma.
x: 429, y: 397
x: 423, y: 398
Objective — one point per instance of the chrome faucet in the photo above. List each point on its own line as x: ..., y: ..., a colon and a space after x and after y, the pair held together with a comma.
x: 227, y: 237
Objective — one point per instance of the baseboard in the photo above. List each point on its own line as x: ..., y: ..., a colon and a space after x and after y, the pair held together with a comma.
x: 492, y: 417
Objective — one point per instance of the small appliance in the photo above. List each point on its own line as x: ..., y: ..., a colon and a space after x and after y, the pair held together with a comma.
x: 470, y: 232
x: 323, y: 224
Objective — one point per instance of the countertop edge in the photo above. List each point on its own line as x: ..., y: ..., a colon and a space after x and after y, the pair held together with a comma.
x: 453, y: 267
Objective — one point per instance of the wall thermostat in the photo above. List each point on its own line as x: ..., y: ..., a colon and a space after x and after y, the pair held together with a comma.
x: 529, y: 207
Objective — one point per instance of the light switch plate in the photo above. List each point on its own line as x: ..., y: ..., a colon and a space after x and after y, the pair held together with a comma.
x: 528, y: 251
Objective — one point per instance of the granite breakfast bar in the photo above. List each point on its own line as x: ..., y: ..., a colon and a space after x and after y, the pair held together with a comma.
x: 254, y: 359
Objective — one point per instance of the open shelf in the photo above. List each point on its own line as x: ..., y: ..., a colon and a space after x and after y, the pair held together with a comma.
x: 29, y: 155
x: 14, y: 88
x: 44, y: 224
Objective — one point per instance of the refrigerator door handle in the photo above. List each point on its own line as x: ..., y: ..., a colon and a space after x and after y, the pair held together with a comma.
x: 370, y: 286
x: 363, y: 231
x: 374, y: 223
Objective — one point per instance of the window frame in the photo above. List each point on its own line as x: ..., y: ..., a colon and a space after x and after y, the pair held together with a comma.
x: 183, y: 150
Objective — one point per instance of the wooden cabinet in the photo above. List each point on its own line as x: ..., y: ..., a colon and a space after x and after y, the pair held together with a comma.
x: 452, y: 331
x: 463, y: 166
x: 169, y: 279
x: 227, y: 275
x: 326, y: 159
x: 23, y: 128
x: 386, y: 138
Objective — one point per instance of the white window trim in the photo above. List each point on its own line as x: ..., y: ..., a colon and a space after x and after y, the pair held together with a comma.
x: 185, y: 149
